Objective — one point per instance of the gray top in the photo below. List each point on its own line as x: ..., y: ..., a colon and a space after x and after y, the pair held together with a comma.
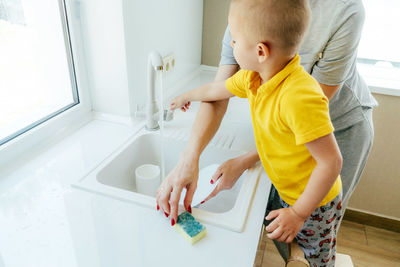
x: 329, y: 54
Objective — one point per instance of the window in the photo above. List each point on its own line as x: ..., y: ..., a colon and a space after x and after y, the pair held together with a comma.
x: 379, y: 49
x: 37, y: 77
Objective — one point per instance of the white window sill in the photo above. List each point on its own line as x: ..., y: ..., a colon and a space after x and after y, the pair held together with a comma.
x: 381, y: 80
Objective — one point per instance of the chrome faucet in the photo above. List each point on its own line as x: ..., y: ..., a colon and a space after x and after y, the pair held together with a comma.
x: 154, y: 64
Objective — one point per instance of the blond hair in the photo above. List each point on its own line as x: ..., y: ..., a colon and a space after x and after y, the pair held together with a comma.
x: 281, y: 24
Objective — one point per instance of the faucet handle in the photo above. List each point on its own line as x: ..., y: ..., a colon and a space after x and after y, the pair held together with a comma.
x: 168, y: 114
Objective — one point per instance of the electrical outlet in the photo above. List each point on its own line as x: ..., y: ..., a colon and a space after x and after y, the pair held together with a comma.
x: 168, y: 62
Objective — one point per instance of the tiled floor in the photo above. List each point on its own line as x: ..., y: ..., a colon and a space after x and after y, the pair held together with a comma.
x: 367, y: 246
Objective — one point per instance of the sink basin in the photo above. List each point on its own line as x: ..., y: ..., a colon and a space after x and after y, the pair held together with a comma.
x: 115, y: 177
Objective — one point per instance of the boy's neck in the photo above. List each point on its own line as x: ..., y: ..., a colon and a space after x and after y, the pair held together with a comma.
x: 272, y: 67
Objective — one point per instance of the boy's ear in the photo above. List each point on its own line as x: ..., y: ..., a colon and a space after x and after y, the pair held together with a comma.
x: 262, y: 52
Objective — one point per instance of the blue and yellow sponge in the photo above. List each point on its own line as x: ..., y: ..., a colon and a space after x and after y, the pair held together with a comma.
x: 191, y: 229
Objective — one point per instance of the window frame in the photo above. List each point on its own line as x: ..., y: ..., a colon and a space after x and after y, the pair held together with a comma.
x: 380, y: 77
x: 53, y: 127
x: 376, y: 83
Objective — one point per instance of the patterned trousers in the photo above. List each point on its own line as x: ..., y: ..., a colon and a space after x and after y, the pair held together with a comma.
x: 317, y: 237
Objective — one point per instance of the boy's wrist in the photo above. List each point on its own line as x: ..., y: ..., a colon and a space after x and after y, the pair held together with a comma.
x: 299, y: 213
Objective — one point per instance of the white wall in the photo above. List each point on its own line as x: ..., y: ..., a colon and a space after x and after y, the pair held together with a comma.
x: 166, y: 26
x: 120, y: 34
x: 105, y: 54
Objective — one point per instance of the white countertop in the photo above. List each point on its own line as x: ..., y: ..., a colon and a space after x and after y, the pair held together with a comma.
x: 45, y: 222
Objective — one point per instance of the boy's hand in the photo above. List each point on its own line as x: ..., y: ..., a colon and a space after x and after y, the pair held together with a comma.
x: 180, y: 102
x: 285, y: 226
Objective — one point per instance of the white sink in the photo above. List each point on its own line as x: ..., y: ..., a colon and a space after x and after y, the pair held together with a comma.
x: 114, y: 177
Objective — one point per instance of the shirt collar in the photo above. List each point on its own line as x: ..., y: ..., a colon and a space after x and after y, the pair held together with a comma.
x: 274, y: 82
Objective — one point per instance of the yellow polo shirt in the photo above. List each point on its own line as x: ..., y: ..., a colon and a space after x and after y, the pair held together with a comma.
x: 287, y: 111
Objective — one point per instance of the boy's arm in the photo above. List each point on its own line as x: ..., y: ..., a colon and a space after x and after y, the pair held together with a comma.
x: 212, y: 91
x: 329, y: 164
x: 288, y: 222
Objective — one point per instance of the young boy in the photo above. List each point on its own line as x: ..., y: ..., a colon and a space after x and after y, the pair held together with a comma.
x: 291, y: 123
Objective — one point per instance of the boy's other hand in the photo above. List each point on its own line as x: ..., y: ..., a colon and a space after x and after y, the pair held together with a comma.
x: 180, y: 102
x: 285, y: 226
x: 228, y: 173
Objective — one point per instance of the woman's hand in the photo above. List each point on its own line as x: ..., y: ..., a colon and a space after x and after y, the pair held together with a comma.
x: 184, y: 175
x: 228, y: 173
x: 285, y: 226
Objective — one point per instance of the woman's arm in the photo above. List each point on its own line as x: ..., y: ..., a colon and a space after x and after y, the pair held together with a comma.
x: 250, y: 158
x: 329, y: 90
x: 185, y: 173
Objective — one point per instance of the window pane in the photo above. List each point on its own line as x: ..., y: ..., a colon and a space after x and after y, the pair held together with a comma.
x: 36, y: 79
x: 380, y: 39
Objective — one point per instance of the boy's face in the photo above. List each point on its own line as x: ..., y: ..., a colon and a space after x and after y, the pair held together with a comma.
x: 244, y: 51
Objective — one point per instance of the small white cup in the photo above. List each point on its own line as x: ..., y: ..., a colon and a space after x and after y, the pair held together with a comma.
x: 147, y: 179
